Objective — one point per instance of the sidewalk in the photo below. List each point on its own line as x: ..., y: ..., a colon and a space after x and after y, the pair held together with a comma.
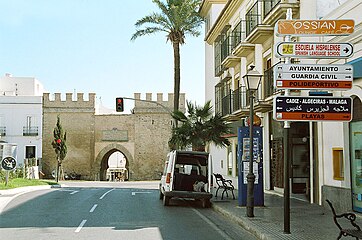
x: 307, y: 221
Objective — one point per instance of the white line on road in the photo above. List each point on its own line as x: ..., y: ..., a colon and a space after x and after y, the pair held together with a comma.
x: 106, y: 193
x: 80, y: 226
x: 222, y: 233
x: 93, y: 208
x: 66, y: 190
x: 134, y: 193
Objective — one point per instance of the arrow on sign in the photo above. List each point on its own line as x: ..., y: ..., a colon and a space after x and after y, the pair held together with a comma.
x: 345, y: 27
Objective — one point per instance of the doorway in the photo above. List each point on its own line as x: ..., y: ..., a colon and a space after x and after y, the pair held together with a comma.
x: 117, y: 171
x: 300, y: 160
x: 299, y: 154
x: 114, y: 166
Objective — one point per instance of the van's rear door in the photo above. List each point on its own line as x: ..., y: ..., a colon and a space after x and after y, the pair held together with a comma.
x: 210, y: 171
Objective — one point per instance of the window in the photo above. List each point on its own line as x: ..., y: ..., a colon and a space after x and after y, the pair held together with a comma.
x: 2, y: 126
x: 207, y: 24
x: 338, y: 166
x: 28, y: 121
x: 30, y: 154
x: 30, y: 129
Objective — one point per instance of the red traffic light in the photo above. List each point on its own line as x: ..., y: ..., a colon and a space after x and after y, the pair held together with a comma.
x: 119, y: 105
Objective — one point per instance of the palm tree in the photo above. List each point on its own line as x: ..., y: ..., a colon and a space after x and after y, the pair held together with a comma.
x: 199, y: 128
x: 177, y: 19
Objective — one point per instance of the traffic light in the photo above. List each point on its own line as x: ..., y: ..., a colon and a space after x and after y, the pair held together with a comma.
x: 119, y: 104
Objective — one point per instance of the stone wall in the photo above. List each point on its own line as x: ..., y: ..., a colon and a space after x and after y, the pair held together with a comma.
x: 142, y: 136
x: 77, y: 119
x: 340, y: 197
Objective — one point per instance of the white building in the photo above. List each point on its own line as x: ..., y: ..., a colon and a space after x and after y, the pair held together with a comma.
x: 325, y: 156
x: 21, y: 115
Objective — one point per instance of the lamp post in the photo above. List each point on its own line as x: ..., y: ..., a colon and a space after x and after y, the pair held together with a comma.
x: 252, y: 81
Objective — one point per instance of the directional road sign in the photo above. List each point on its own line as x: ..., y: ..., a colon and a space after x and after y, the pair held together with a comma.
x: 307, y: 68
x: 286, y: 108
x: 313, y: 76
x: 314, y: 27
x: 313, y: 50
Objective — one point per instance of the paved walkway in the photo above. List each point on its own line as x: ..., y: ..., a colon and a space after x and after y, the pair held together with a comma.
x: 307, y: 221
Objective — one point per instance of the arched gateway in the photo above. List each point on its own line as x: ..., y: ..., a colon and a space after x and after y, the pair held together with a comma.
x: 101, y: 161
x: 92, y: 137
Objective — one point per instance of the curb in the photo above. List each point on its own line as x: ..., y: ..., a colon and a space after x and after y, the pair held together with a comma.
x: 6, y: 196
x: 249, y: 227
x: 26, y: 189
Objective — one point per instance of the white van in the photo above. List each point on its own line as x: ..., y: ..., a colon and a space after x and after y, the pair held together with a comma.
x: 187, y: 174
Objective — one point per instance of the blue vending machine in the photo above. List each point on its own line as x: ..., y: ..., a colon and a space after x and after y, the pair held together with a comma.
x: 243, y: 165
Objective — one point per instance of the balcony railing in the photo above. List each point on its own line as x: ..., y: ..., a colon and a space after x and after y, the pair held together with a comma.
x: 269, y: 88
x: 225, y: 48
x: 226, y: 105
x: 253, y: 18
x: 2, y: 131
x: 218, y: 59
x: 238, y: 34
x: 268, y: 6
x: 30, y: 131
x: 235, y: 101
x: 239, y: 98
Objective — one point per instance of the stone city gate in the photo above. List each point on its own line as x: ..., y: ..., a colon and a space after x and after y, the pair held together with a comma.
x: 101, y: 160
x: 142, y: 136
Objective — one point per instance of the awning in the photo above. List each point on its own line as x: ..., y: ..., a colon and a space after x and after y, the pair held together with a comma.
x: 357, y: 67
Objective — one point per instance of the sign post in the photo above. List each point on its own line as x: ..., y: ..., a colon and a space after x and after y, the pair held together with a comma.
x: 8, y: 153
x: 289, y: 108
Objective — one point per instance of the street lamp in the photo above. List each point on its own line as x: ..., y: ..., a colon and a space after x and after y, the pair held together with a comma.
x: 252, y: 81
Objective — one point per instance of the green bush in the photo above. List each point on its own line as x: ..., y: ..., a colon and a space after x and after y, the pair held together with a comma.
x: 17, y: 173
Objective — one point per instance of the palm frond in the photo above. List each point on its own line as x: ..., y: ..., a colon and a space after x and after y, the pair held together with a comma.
x: 146, y: 31
x: 179, y: 116
x: 200, y: 127
x: 156, y: 19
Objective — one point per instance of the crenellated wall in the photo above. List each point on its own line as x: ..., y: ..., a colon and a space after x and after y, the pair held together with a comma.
x: 142, y: 136
x: 80, y: 102
x: 160, y: 105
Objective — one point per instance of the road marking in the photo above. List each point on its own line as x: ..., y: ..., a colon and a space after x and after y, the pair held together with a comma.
x: 72, y: 191
x: 134, y: 193
x: 80, y: 226
x: 106, y: 193
x: 213, y: 225
x: 93, y: 208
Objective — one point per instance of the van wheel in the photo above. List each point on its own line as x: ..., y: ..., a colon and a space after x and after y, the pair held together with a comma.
x: 166, y: 200
x: 161, y: 195
x: 206, y: 203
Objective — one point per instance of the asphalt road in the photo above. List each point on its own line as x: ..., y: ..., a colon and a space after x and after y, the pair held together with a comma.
x: 100, y: 210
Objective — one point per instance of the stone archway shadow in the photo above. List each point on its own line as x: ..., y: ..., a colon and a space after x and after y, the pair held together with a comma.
x: 101, y: 162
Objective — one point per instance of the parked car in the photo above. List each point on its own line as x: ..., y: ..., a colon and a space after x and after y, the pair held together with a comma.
x: 187, y: 174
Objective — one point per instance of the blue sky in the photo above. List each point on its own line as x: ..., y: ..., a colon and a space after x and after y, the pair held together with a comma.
x: 84, y: 46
